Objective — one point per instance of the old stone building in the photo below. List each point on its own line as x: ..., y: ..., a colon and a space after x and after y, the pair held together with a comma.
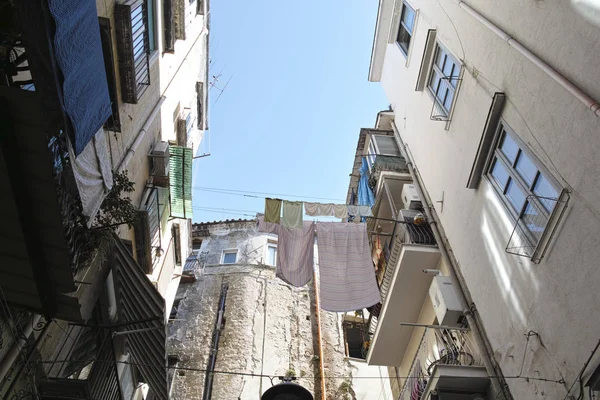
x: 255, y: 324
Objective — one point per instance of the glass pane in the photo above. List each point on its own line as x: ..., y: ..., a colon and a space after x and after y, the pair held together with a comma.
x: 403, y: 39
x: 387, y: 145
x: 500, y: 174
x: 408, y: 17
x: 229, y: 258
x: 526, y: 169
x: 435, y: 81
x: 151, y: 34
x: 515, y: 195
x: 271, y: 255
x: 440, y: 57
x: 449, y: 67
x: 509, y: 147
x: 534, y: 221
x: 449, y: 98
x: 544, y: 188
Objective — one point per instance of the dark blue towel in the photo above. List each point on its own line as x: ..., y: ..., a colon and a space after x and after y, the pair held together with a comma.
x: 78, y: 50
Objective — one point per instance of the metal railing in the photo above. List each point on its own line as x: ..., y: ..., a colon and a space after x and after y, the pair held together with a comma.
x: 397, y: 234
x: 78, y: 237
x: 438, y: 347
x: 444, y: 97
x: 535, y: 226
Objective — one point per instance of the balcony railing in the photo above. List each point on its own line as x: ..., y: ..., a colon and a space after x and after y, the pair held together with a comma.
x: 438, y: 347
x: 392, y: 236
x: 535, y: 226
x: 386, y: 163
x: 78, y: 237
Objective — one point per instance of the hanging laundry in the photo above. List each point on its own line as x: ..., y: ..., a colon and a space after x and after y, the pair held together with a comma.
x: 292, y: 214
x: 272, y: 210
x: 352, y: 210
x: 365, y: 211
x: 312, y: 209
x: 326, y: 209
x: 365, y: 194
x: 340, y: 211
x: 295, y: 251
x: 346, y: 271
x: 378, y: 252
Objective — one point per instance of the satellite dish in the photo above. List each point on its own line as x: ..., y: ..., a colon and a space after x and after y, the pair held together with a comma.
x: 287, y: 391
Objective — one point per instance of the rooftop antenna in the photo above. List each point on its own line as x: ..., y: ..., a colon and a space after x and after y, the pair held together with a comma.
x: 215, y: 84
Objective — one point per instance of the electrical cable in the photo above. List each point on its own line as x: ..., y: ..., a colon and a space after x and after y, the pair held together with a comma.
x: 248, y: 193
x: 273, y: 376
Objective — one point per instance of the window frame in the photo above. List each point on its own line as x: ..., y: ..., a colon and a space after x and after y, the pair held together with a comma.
x: 229, y: 251
x: 271, y: 246
x: 497, y: 155
x: 401, y: 25
x: 434, y: 68
x: 373, y: 149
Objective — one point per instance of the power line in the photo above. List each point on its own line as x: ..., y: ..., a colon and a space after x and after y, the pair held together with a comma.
x: 248, y: 193
x: 275, y: 376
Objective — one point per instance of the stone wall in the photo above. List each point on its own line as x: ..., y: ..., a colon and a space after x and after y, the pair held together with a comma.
x: 270, y: 327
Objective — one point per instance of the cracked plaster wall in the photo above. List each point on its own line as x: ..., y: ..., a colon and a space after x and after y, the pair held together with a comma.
x: 270, y: 327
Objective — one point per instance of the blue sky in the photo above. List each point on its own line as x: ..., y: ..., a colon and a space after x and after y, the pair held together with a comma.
x: 289, y: 120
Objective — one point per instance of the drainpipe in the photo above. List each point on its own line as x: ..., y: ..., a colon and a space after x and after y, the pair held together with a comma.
x: 448, y: 257
x: 9, y: 359
x: 208, y: 381
x: 320, y: 337
x: 569, y: 86
x: 140, y: 135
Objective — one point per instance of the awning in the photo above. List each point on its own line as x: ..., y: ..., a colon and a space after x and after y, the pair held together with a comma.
x: 142, y: 309
x: 180, y: 181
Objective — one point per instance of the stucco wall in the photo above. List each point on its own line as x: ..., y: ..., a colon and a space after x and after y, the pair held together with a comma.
x: 555, y: 298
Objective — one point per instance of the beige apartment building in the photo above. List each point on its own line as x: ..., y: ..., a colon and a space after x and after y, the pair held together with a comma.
x: 494, y: 121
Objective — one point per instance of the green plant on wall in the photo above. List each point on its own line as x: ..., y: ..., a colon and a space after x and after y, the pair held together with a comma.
x: 117, y: 208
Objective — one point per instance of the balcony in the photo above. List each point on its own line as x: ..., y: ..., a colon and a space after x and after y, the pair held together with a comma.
x: 445, y: 361
x: 408, y: 249
x: 382, y: 166
x: 48, y: 255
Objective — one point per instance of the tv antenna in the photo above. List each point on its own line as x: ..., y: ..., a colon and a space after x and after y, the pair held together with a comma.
x: 216, y: 84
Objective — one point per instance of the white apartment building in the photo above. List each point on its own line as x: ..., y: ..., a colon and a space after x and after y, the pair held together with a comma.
x: 494, y: 108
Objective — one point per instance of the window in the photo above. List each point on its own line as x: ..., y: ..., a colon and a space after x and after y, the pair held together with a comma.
x: 131, y: 18
x: 271, y: 254
x: 443, y: 80
x: 405, y: 30
x: 229, y: 256
x: 524, y: 185
x: 114, y: 121
x: 383, y: 145
x: 355, y: 339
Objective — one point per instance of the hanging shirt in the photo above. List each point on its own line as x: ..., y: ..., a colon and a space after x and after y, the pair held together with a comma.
x: 292, y: 214
x: 295, y: 251
x: 272, y: 210
x: 346, y: 271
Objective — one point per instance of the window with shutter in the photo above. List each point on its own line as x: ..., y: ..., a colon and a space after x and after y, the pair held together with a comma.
x: 132, y: 46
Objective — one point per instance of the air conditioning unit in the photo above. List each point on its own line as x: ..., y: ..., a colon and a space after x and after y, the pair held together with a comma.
x: 446, y: 304
x: 160, y: 164
x: 410, y: 197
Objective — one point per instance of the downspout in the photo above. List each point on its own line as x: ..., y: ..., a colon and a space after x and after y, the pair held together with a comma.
x: 10, y: 357
x: 208, y: 382
x: 140, y: 136
x: 483, y: 344
x: 569, y: 86
x: 319, y: 337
